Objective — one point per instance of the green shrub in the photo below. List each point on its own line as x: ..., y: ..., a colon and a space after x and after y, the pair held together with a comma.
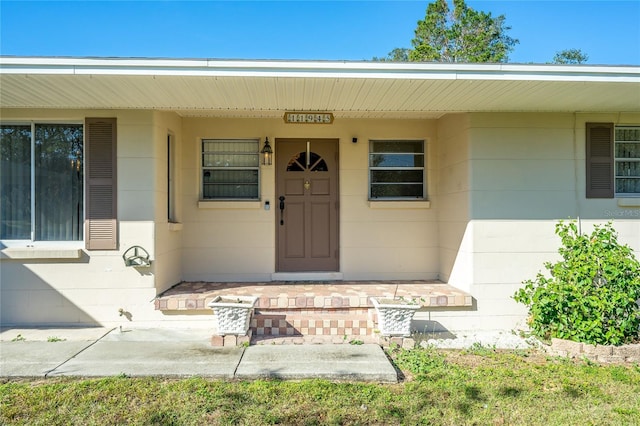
x: 591, y: 295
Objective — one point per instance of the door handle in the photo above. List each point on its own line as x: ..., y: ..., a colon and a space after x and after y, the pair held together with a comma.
x: 281, y: 209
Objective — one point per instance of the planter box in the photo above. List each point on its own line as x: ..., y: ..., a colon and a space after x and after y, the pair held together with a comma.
x: 233, y: 313
x: 394, y: 316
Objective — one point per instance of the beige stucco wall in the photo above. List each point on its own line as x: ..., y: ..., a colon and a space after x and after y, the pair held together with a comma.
x: 236, y: 241
x: 92, y: 289
x: 168, y: 236
x: 526, y: 171
x: 452, y: 200
x: 213, y: 241
x: 497, y: 185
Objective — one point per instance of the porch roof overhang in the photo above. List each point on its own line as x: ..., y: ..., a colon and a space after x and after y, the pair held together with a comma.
x: 266, y: 89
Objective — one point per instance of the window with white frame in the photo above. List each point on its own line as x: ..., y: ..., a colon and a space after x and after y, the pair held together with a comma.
x: 627, y: 160
x: 230, y: 169
x: 397, y: 170
x: 41, y: 182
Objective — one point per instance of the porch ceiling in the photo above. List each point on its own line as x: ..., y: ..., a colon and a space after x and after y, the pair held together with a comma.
x: 348, y: 89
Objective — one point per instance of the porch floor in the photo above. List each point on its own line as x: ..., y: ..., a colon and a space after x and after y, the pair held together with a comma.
x: 190, y: 296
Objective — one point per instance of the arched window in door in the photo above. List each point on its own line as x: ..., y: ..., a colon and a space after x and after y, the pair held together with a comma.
x: 298, y: 163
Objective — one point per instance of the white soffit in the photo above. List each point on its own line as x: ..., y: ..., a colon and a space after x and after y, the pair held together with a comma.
x: 348, y: 89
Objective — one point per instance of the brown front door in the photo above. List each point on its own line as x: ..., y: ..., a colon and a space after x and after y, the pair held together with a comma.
x: 306, y: 205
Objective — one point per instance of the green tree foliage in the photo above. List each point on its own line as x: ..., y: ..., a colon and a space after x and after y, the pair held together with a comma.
x: 399, y: 54
x: 460, y: 35
x: 570, y: 56
x: 592, y: 294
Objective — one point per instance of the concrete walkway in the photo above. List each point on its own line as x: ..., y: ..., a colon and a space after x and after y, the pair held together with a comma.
x: 99, y: 352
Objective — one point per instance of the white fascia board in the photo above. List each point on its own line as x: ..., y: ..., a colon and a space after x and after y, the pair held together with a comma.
x: 583, y: 69
x: 316, y: 69
x: 101, y: 62
x: 584, y: 78
x: 349, y: 65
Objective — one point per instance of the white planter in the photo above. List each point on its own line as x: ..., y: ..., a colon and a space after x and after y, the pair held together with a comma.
x: 394, y: 316
x: 233, y: 313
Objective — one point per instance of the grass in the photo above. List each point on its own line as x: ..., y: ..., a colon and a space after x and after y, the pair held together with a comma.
x: 480, y: 386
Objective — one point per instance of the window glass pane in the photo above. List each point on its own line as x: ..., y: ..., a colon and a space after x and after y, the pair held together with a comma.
x: 295, y: 167
x: 397, y: 146
x: 319, y: 166
x: 396, y: 160
x: 15, y: 182
x: 628, y: 186
x: 58, y: 182
x: 628, y: 133
x: 230, y: 184
x: 230, y: 176
x: 400, y: 176
x: 627, y: 150
x: 230, y: 192
x: 230, y: 146
x: 230, y: 160
x: 628, y: 168
x: 396, y: 191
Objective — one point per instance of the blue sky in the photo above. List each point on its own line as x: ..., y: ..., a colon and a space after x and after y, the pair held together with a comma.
x: 607, y: 30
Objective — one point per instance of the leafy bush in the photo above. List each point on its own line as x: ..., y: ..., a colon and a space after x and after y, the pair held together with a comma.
x: 592, y: 294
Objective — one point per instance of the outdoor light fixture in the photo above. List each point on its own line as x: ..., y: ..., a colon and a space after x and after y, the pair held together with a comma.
x: 267, y: 153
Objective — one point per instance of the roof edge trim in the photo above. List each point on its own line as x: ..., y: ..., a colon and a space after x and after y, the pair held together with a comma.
x: 314, y: 69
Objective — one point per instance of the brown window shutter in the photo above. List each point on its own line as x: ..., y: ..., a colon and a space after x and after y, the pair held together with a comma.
x: 100, y: 168
x: 600, y: 163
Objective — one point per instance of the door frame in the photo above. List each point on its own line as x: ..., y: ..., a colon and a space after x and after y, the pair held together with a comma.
x: 279, y: 174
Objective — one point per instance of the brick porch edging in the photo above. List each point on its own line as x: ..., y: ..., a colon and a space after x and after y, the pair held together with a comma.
x: 335, y: 322
x: 600, y: 353
x: 195, y: 296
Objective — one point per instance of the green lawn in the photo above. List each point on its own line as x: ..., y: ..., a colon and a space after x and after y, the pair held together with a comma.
x: 480, y: 386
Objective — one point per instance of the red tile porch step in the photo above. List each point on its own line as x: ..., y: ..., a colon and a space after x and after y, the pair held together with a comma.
x: 342, y: 310
x: 195, y: 296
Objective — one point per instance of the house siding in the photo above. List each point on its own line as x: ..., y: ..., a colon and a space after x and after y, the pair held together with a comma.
x: 452, y: 200
x: 167, y: 238
x: 526, y: 173
x: 91, y: 290
x: 236, y: 242
x: 497, y: 185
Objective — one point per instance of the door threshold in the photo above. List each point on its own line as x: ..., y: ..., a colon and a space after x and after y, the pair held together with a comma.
x: 307, y: 276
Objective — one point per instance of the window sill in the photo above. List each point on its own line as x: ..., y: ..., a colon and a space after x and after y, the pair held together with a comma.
x: 40, y: 253
x: 629, y: 202
x: 175, y: 226
x: 397, y: 204
x: 229, y: 204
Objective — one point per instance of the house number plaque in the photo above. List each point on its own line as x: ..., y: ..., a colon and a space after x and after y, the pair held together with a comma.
x: 308, y: 117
